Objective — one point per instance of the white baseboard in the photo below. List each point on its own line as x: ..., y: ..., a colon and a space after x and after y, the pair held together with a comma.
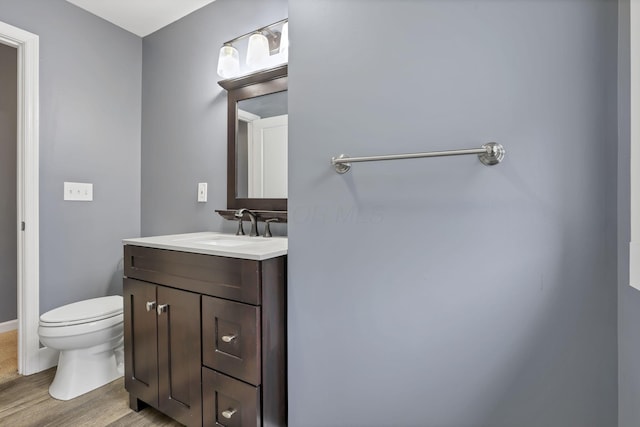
x: 11, y: 325
x: 47, y: 358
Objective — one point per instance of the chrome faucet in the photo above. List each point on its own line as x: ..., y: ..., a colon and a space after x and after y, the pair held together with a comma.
x: 252, y: 217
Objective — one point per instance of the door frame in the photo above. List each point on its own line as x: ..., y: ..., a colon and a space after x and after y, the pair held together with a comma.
x: 634, y: 131
x: 30, y: 358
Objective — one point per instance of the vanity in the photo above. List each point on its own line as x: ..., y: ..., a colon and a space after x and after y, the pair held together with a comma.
x: 205, y: 313
x: 205, y: 328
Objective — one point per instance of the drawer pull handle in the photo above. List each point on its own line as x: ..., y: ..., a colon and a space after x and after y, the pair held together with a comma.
x: 151, y: 305
x: 162, y: 308
x: 228, y: 338
x: 229, y: 413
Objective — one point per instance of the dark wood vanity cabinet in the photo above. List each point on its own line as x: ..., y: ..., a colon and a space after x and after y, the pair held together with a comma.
x: 205, y: 337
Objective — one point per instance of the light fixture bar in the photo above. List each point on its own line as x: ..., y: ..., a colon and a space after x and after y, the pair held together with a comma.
x: 266, y: 27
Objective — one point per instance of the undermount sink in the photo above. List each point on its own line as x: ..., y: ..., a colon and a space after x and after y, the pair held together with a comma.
x: 224, y: 242
x: 214, y: 239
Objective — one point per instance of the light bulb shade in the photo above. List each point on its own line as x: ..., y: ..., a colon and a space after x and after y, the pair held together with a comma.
x: 257, y: 51
x: 228, y: 62
x: 284, y: 38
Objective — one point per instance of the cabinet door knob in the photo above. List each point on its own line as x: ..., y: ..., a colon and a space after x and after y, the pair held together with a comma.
x: 228, y: 338
x: 162, y: 308
x: 229, y: 413
x: 151, y: 305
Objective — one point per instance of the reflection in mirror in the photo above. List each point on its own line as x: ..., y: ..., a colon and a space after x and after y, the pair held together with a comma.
x: 261, y: 147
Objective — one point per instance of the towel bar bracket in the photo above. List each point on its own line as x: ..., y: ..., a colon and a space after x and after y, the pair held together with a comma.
x: 341, y: 167
x: 494, y: 154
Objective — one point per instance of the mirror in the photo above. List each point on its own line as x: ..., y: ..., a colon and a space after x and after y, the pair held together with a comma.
x: 257, y: 132
x: 261, y: 147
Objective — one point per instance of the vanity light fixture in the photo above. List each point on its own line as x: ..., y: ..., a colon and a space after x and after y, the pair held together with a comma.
x: 257, y: 51
x: 267, y: 47
x: 228, y: 62
x: 284, y: 41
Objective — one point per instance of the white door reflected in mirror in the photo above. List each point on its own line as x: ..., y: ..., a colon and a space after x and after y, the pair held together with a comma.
x: 267, y: 156
x: 262, y: 127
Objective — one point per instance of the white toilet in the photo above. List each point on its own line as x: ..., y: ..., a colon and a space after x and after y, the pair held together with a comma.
x: 89, y: 335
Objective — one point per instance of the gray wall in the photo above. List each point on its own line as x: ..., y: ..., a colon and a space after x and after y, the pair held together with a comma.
x: 440, y: 292
x: 434, y: 292
x: 8, y: 209
x: 90, y: 107
x: 184, y: 127
x: 628, y: 298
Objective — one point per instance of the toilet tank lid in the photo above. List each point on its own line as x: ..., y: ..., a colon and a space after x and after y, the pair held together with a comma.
x: 84, y: 310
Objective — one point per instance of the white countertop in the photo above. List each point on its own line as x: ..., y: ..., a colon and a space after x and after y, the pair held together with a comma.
x: 221, y: 244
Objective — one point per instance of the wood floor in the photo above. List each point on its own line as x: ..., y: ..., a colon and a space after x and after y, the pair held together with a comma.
x: 25, y: 402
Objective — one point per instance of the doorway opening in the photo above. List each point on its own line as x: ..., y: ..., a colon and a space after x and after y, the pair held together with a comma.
x: 31, y: 358
x: 8, y: 212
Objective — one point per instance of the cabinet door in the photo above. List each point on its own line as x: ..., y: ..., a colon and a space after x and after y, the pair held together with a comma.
x: 179, y: 359
x: 140, y: 340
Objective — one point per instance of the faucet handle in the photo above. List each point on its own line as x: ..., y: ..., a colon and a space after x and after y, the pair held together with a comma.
x: 240, y: 231
x: 267, y: 229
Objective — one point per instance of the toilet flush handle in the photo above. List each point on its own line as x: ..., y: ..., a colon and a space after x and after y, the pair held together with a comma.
x: 162, y: 308
x: 151, y: 305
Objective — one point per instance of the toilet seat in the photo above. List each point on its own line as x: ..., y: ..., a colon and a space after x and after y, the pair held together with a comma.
x: 52, y: 330
x: 82, y: 312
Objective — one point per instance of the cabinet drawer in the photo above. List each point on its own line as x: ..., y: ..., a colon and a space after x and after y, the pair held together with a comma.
x: 230, y: 278
x: 231, y: 338
x: 228, y: 402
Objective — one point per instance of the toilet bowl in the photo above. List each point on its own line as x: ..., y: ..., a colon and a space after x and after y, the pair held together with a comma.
x: 89, y: 336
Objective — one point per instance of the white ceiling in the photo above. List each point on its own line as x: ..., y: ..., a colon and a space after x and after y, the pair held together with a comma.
x: 141, y: 17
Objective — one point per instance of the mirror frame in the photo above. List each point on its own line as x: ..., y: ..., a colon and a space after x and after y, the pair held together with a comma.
x: 250, y: 86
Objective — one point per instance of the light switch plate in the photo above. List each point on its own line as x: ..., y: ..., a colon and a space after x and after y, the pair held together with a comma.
x: 202, y: 192
x: 78, y: 191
